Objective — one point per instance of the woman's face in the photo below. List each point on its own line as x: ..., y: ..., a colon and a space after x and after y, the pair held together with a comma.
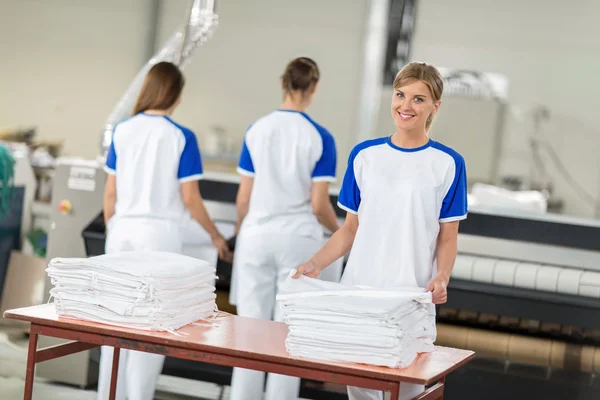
x: 412, y: 104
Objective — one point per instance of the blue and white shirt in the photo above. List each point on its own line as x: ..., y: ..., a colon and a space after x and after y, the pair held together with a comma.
x: 151, y: 156
x: 400, y: 196
x: 285, y: 151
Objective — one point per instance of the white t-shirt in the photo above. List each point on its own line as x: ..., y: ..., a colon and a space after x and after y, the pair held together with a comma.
x: 151, y: 156
x: 285, y: 151
x: 400, y: 196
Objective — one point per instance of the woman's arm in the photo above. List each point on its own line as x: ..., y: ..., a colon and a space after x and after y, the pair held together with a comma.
x: 195, y: 205
x: 337, y: 246
x: 110, y: 197
x: 242, y: 201
x: 447, y: 248
x: 322, y: 207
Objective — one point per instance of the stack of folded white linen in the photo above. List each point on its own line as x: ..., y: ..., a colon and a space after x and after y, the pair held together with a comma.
x: 142, y: 290
x: 341, y: 323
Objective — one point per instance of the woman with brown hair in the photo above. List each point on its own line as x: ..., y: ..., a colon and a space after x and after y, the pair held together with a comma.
x: 404, y: 195
x: 286, y: 165
x: 153, y: 166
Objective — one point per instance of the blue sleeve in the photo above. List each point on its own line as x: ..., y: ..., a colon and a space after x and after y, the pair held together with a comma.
x: 245, y: 165
x: 190, y: 162
x: 454, y: 205
x: 349, y: 196
x: 325, y: 168
x: 111, y: 158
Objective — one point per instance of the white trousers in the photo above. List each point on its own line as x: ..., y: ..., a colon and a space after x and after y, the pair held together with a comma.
x: 137, y: 377
x: 262, y: 263
x: 407, y: 392
x: 138, y: 371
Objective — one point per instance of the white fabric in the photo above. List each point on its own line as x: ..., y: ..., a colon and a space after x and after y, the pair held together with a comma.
x: 342, y: 354
x: 197, y: 243
x: 137, y: 376
x: 333, y: 324
x: 126, y: 291
x: 332, y: 273
x: 417, y: 325
x: 332, y: 321
x: 336, y: 322
x: 285, y: 151
x: 400, y: 196
x: 158, y: 322
x: 407, y: 391
x: 151, y: 156
x: 262, y: 263
x: 138, y: 371
x: 143, y: 290
x: 136, y: 309
x: 139, y: 264
x: 143, y: 234
x: 489, y: 197
x: 305, y: 334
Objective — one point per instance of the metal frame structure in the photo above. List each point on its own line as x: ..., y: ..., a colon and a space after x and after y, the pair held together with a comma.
x: 401, y: 18
x: 564, y: 309
x: 85, y: 336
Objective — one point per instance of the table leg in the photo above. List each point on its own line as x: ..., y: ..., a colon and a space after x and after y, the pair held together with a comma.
x: 396, y: 392
x: 115, y: 373
x: 30, y: 371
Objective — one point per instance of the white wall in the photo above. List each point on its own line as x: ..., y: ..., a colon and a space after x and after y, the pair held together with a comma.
x: 234, y: 78
x: 550, y: 52
x: 66, y: 63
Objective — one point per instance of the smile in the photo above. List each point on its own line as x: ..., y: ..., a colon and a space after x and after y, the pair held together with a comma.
x: 405, y: 117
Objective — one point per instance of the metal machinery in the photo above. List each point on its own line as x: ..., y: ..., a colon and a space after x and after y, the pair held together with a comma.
x: 16, y: 224
x: 525, y: 295
x: 76, y: 197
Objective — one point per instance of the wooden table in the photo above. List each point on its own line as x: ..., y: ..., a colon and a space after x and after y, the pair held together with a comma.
x: 232, y: 341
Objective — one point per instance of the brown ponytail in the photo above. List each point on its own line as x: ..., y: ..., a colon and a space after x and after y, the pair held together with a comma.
x: 161, y: 88
x: 300, y: 75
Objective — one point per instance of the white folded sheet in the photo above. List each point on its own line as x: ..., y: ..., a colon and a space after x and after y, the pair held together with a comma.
x: 157, y: 323
x: 146, y: 264
x: 342, y: 323
x: 136, y: 307
x: 142, y: 290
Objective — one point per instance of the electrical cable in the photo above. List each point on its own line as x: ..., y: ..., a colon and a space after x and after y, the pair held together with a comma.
x: 566, y: 175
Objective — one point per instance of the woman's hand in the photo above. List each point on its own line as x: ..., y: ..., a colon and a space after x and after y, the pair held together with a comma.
x: 225, y: 253
x: 308, y: 268
x: 437, y: 287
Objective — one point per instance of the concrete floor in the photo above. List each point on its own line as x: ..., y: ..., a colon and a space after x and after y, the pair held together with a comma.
x: 13, y: 357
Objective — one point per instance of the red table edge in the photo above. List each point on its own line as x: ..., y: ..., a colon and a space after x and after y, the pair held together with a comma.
x: 292, y: 362
x: 35, y: 356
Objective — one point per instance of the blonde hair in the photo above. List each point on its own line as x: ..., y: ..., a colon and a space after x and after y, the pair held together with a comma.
x: 426, y: 73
